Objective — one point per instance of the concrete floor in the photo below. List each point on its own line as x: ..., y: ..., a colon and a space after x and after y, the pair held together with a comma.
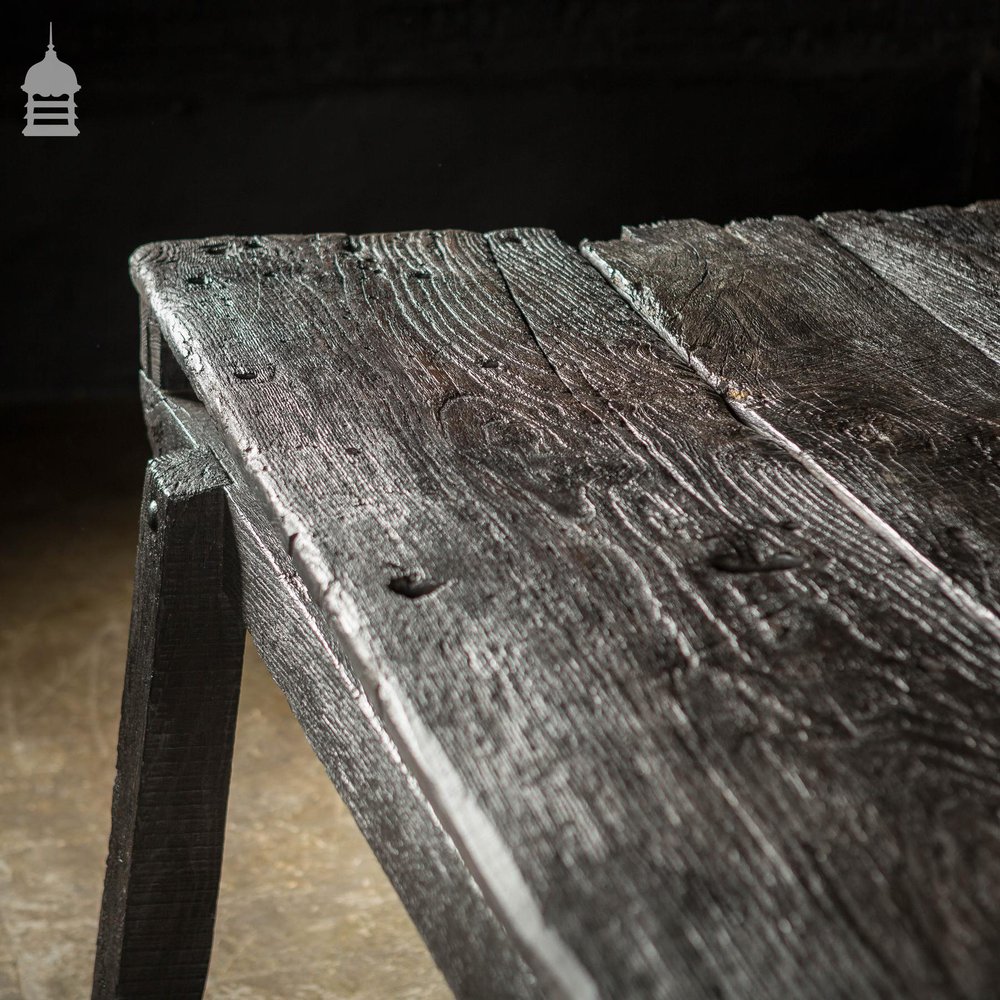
x: 304, y: 911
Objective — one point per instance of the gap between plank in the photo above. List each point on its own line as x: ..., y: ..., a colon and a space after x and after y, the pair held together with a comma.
x: 821, y: 227
x: 952, y: 590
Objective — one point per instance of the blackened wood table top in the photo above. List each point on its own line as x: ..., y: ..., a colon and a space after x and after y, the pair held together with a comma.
x: 666, y: 569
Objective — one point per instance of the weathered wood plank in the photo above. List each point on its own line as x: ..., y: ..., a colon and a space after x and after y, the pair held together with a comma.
x: 945, y: 260
x: 893, y: 410
x: 694, y: 726
x: 604, y: 362
x: 175, y: 744
x: 308, y: 665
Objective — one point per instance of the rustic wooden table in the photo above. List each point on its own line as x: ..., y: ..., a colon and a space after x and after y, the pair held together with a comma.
x: 642, y: 602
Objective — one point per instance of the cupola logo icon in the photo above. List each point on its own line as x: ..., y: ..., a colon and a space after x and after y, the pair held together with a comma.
x: 51, y: 88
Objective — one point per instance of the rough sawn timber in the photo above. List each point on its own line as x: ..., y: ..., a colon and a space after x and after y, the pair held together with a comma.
x: 307, y: 663
x: 696, y: 729
x: 175, y: 741
x: 947, y: 260
x: 893, y: 409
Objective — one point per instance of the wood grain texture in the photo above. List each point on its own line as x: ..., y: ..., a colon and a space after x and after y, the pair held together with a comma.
x: 895, y: 411
x: 945, y: 260
x: 695, y: 727
x: 175, y: 744
x: 308, y: 665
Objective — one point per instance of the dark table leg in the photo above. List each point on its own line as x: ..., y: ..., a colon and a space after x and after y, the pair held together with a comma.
x: 182, y: 682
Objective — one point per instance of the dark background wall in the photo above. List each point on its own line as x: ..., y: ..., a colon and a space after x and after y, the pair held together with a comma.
x: 394, y: 114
